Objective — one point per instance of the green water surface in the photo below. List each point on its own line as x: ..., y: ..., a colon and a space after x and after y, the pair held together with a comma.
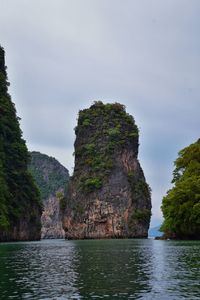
x: 100, y: 269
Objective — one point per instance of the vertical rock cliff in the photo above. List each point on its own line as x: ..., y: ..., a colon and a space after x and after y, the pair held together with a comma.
x: 52, y: 179
x: 20, y: 206
x: 108, y: 196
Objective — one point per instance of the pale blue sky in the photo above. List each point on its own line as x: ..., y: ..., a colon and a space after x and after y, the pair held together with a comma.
x: 63, y: 54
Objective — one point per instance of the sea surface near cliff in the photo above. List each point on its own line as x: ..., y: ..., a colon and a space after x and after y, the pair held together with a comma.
x: 100, y: 269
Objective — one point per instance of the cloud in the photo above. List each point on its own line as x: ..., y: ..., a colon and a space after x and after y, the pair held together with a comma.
x: 63, y: 54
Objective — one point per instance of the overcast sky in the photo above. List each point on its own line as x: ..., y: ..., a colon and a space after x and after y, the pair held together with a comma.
x: 64, y: 54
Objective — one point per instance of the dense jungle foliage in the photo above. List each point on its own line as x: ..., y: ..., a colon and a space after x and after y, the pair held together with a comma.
x: 181, y: 205
x: 18, y: 192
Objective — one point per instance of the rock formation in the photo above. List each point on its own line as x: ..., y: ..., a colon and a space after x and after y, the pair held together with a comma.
x: 20, y: 205
x: 51, y: 178
x: 108, y: 196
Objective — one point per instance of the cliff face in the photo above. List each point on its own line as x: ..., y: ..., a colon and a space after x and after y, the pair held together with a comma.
x: 20, y: 205
x: 27, y: 227
x: 108, y: 196
x: 52, y: 179
x: 51, y: 219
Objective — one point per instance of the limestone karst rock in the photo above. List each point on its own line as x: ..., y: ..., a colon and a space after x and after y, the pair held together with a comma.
x: 20, y: 205
x: 108, y: 196
x: 52, y: 179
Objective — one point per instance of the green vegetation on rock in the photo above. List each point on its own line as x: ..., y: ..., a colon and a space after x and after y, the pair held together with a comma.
x: 108, y: 196
x: 181, y: 205
x: 48, y: 173
x: 61, y: 199
x: 139, y: 215
x: 118, y: 129
x: 52, y: 180
x: 90, y: 184
x: 141, y: 189
x: 18, y: 192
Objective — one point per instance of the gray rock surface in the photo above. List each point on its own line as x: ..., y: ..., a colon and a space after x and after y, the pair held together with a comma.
x: 108, y: 196
x: 51, y: 178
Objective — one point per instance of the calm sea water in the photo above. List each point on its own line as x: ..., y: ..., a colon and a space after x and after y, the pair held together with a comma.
x: 100, y: 269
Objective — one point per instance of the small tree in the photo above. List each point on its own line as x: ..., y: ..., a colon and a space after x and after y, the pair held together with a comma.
x: 61, y: 199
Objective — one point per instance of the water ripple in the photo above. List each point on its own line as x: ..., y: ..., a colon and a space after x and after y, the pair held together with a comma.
x: 103, y: 269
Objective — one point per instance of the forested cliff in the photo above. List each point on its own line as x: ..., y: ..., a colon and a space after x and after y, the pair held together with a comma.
x: 20, y: 205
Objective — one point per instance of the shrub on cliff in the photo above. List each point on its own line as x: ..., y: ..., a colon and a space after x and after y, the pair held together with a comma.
x: 181, y: 205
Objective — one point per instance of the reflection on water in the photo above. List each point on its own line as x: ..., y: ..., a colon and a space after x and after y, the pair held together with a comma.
x: 36, y: 270
x: 102, y: 269
x: 112, y: 268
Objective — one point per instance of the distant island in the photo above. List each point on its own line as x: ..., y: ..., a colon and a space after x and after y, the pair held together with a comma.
x: 155, y: 231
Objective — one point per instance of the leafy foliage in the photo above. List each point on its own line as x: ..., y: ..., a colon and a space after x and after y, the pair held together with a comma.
x: 90, y: 184
x: 141, y: 189
x: 181, y: 205
x: 61, y: 199
x: 18, y: 192
x: 140, y: 215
